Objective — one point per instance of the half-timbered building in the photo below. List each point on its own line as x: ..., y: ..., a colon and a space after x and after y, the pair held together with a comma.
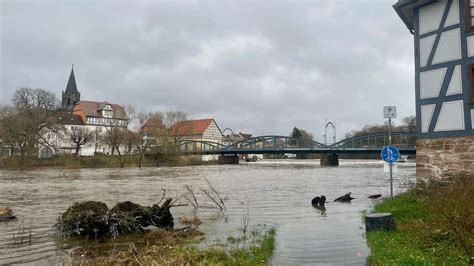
x: 85, y: 116
x: 444, y: 84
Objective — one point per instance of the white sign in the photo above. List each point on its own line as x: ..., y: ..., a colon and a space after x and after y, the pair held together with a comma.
x: 389, y: 112
x: 386, y: 168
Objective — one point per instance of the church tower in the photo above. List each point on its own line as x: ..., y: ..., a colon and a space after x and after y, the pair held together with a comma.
x: 71, y: 95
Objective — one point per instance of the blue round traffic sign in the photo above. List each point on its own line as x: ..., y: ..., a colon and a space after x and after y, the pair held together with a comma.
x: 390, y: 154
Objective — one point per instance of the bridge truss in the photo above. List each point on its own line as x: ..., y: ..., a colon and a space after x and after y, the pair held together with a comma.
x: 371, y: 143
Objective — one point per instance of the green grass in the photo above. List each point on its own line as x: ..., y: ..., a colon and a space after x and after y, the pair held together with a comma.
x: 404, y: 207
x: 170, y: 249
x: 421, y: 236
x: 257, y: 252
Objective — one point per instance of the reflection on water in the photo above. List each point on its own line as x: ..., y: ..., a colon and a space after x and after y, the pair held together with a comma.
x: 272, y: 192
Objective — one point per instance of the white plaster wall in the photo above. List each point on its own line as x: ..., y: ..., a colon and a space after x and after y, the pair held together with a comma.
x: 451, y: 116
x: 426, y: 45
x: 430, y: 83
x: 453, y: 15
x: 426, y: 115
x: 449, y: 47
x: 430, y: 16
x: 470, y: 46
x: 89, y: 148
x: 211, y: 157
x: 455, y: 85
x: 472, y: 118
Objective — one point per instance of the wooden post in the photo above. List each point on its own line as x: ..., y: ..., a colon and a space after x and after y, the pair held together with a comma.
x: 379, y: 221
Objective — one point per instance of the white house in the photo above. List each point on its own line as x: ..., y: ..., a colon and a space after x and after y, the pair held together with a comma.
x: 83, y: 116
x: 203, y: 130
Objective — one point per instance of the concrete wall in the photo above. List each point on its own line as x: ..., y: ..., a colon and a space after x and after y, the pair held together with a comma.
x: 444, y: 157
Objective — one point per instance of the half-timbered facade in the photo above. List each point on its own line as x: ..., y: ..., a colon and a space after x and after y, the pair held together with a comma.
x: 85, y: 116
x: 444, y: 83
x: 200, y: 129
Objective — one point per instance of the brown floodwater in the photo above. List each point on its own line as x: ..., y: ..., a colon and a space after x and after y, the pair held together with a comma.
x: 275, y: 193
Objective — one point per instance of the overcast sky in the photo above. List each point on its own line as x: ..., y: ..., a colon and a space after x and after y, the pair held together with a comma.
x: 258, y: 67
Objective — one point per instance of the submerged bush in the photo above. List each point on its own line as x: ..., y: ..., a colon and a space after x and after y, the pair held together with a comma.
x: 93, y: 219
x: 83, y: 218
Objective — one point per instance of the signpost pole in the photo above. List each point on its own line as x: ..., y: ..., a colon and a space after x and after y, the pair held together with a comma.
x: 391, y: 164
x: 390, y: 112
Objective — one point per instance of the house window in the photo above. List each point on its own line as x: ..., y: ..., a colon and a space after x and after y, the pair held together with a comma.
x: 107, y: 111
x: 470, y: 14
x: 470, y: 77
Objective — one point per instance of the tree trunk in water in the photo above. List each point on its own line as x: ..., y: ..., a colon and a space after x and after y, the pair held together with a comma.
x: 22, y: 159
x: 120, y: 158
x: 140, y: 160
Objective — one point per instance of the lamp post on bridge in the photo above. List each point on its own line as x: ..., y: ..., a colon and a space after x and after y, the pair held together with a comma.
x: 333, y: 125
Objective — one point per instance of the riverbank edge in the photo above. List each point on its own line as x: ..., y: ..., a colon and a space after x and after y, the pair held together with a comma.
x: 181, y: 249
x: 98, y: 162
x: 420, y: 237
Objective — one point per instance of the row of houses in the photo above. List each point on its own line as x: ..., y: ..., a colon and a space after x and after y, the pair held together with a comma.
x: 95, y: 117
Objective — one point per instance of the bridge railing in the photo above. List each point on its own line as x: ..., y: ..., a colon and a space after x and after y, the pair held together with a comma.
x: 274, y: 142
x: 378, y: 140
x: 287, y: 144
x: 199, y: 146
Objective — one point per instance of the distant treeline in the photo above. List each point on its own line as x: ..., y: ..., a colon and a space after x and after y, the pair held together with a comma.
x: 408, y: 124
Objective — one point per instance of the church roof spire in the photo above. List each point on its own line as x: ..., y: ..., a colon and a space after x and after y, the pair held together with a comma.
x: 71, y: 84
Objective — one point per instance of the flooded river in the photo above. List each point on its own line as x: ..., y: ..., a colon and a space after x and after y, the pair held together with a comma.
x: 275, y: 193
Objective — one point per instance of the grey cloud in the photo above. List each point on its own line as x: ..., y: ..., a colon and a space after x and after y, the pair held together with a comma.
x: 261, y: 67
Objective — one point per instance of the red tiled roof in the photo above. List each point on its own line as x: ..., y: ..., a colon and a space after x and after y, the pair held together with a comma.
x: 191, y: 127
x: 89, y: 108
x: 69, y: 119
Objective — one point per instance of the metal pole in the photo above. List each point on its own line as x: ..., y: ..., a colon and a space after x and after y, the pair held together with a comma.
x: 389, y: 131
x: 390, y: 143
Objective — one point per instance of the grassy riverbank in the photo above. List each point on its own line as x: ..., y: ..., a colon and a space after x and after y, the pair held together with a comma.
x: 109, y: 161
x: 434, y: 226
x: 160, y: 247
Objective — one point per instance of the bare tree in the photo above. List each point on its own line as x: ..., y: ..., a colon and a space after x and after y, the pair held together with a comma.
x: 409, y: 123
x: 98, y: 139
x: 149, y: 132
x: 171, y: 121
x: 172, y: 117
x: 80, y: 136
x: 31, y: 116
x: 116, y: 137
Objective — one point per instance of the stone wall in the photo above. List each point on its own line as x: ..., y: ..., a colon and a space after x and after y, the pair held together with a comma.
x: 444, y: 157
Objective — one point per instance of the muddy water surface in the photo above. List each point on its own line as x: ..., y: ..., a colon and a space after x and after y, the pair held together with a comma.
x: 275, y: 193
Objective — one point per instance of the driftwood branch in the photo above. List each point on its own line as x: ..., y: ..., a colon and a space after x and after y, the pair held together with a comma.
x: 215, y: 195
x: 162, y: 196
x: 190, y: 192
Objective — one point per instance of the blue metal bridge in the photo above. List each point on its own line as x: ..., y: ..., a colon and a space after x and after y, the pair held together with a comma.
x: 273, y: 144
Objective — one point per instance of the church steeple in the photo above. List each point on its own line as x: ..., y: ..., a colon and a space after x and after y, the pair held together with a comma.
x: 71, y: 95
x: 71, y: 84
